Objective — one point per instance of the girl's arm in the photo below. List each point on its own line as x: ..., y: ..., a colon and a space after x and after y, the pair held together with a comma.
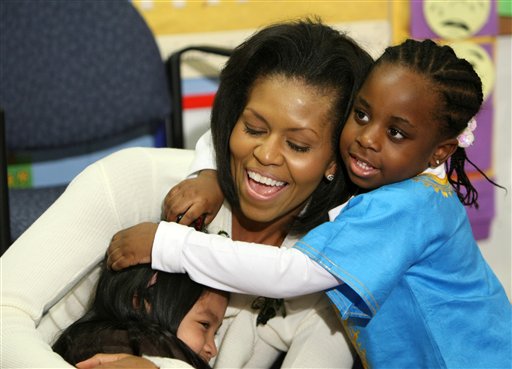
x: 235, y: 266
x: 69, y: 239
x: 200, y: 193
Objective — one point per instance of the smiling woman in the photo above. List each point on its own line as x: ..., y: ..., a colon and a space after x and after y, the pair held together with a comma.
x: 282, y: 98
x: 276, y: 119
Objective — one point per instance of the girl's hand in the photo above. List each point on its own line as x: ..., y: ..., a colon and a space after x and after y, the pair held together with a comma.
x: 115, y: 361
x: 131, y: 246
x: 194, y: 197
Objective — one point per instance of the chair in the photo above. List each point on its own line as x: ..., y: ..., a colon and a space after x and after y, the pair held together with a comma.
x: 175, y: 135
x: 75, y: 77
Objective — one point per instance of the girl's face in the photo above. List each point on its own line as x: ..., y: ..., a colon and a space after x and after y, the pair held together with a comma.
x: 391, y: 134
x: 198, y: 327
x: 281, y: 147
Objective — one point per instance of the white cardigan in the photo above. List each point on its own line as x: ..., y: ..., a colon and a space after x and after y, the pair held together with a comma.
x: 49, y: 273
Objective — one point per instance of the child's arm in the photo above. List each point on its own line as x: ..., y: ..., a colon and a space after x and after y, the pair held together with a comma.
x: 221, y: 263
x: 194, y: 197
x: 198, y: 195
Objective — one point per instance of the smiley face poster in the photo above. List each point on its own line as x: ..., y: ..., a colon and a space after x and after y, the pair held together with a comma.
x: 453, y: 19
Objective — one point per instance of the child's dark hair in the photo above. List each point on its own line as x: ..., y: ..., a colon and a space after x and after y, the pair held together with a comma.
x: 136, y: 311
x: 460, y: 91
x: 311, y: 52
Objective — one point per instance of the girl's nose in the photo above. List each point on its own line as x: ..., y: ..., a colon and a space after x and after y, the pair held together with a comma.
x: 268, y: 152
x: 210, y: 349
x: 369, y: 137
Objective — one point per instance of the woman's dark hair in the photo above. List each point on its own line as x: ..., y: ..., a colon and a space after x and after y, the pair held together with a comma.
x: 310, y: 52
x: 460, y: 91
x: 137, y: 308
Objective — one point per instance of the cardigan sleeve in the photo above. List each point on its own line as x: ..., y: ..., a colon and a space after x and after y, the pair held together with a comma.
x: 204, y: 154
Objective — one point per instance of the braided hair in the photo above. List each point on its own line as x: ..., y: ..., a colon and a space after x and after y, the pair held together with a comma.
x: 460, y: 94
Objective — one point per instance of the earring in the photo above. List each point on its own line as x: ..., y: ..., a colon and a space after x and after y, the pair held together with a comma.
x: 438, y: 162
x: 330, y: 177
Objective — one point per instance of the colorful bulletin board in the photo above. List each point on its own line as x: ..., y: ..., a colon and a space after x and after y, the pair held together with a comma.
x: 470, y: 27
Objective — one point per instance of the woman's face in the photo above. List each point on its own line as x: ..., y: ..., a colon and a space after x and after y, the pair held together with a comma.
x: 198, y: 327
x: 281, y: 147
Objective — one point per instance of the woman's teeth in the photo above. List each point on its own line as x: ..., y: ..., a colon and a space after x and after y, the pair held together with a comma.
x: 264, y: 180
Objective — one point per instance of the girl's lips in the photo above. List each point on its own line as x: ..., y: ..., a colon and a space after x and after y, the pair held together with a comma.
x: 361, y: 168
x: 262, y: 187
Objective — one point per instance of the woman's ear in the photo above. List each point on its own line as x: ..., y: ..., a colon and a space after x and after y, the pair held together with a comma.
x: 443, y: 152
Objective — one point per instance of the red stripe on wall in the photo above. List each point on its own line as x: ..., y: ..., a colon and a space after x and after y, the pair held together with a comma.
x: 198, y: 101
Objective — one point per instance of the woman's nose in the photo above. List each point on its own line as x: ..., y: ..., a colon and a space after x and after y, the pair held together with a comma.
x: 268, y: 152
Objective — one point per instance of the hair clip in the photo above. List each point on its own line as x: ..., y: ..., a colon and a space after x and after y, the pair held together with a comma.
x: 466, y: 138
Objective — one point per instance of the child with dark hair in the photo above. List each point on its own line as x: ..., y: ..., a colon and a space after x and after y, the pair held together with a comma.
x: 141, y: 311
x: 399, y: 262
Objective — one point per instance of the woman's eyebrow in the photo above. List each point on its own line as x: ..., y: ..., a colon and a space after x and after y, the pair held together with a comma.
x: 256, y: 114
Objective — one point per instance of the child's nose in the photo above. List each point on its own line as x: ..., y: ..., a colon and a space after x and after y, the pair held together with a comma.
x: 369, y: 137
x: 210, y: 349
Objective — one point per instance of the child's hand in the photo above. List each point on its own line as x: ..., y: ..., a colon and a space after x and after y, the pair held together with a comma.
x: 131, y: 246
x: 115, y: 361
x: 192, y: 198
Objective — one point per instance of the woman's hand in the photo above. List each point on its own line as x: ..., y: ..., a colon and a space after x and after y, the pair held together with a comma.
x: 131, y: 246
x: 194, y: 197
x: 115, y: 361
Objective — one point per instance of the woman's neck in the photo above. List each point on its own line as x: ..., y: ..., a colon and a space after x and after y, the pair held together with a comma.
x: 272, y: 233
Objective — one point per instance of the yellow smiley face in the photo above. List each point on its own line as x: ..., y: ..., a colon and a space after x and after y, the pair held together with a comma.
x: 456, y: 19
x: 480, y: 60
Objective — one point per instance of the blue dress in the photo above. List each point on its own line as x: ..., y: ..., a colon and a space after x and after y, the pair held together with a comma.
x: 417, y: 291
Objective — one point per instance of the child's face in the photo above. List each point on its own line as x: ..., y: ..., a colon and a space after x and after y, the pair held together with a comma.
x: 391, y: 134
x: 198, y: 327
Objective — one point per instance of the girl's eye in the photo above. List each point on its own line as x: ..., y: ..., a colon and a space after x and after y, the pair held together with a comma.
x: 396, y: 134
x: 205, y: 325
x: 361, y: 116
x: 298, y: 148
x: 251, y: 131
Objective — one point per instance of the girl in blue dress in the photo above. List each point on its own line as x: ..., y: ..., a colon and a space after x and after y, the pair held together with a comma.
x: 399, y: 262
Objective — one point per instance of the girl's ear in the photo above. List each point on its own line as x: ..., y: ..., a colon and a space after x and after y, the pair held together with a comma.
x: 331, y: 170
x: 442, y: 153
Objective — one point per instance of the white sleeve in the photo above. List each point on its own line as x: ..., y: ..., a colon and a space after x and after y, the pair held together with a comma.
x: 71, y: 237
x: 236, y: 266
x: 204, y: 154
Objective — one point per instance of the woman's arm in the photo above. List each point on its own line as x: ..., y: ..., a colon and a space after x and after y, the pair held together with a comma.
x: 71, y: 237
x: 236, y: 266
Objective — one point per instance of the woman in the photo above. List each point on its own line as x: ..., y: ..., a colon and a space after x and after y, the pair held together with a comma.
x: 275, y: 120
